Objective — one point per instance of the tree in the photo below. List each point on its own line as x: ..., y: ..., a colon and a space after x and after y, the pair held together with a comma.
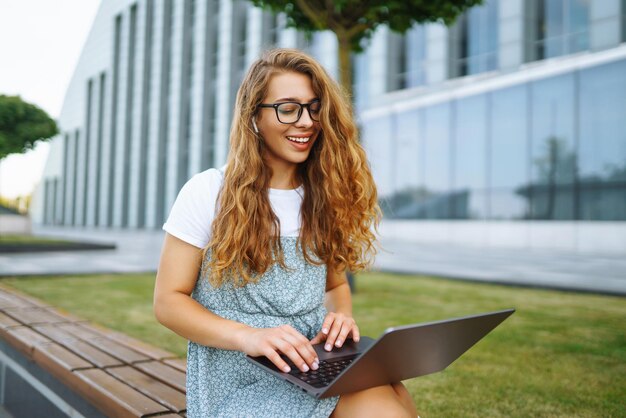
x: 355, y: 21
x: 21, y: 125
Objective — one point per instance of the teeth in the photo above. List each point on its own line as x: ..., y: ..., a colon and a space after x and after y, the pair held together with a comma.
x: 300, y: 140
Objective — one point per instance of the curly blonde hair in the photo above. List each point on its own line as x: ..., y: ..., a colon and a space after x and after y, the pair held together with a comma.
x: 339, y: 212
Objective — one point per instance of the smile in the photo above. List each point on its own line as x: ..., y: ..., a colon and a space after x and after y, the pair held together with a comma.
x: 300, y: 140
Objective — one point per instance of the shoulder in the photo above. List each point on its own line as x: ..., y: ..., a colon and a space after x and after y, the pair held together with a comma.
x: 194, y: 209
x: 208, y: 181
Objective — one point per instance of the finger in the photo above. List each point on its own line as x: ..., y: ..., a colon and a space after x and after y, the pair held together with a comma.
x: 332, y: 334
x: 328, y: 322
x: 304, y: 348
x: 275, y: 358
x: 319, y: 338
x: 346, y: 328
x: 356, y: 334
x: 290, y: 351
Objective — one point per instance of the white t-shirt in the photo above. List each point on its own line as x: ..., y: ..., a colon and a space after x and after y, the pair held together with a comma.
x: 194, y: 209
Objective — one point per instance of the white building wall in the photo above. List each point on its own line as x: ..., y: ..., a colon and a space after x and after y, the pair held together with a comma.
x: 136, y: 114
x: 171, y: 186
x: 224, y: 73
x: 510, y: 34
x: 153, y: 165
x: 122, y: 114
x: 199, y: 60
x: 92, y: 156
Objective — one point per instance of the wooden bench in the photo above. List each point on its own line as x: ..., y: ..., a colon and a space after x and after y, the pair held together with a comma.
x: 52, y: 361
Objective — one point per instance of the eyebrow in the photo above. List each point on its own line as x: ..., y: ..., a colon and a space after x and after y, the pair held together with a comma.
x: 293, y: 99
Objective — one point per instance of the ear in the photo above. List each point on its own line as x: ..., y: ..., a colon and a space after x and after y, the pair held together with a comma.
x: 256, y: 128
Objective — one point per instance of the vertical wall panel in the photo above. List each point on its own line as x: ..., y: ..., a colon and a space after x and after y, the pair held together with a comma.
x: 75, y: 182
x: 171, y: 189
x: 155, y: 133
x: 137, y: 150
x: 66, y: 179
x: 97, y: 184
x: 197, y: 90
x: 121, y: 115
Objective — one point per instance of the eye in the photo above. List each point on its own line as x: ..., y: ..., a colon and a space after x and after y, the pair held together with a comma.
x: 315, y: 107
x: 288, y: 108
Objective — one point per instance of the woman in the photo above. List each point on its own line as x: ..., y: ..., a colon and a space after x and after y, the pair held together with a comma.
x: 252, y: 250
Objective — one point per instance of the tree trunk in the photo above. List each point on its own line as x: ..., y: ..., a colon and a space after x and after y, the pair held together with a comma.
x: 345, y: 64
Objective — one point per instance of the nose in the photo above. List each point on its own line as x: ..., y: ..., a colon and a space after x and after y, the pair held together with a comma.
x: 305, y: 120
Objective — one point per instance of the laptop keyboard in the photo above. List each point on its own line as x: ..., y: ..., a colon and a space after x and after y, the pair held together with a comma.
x: 325, y: 374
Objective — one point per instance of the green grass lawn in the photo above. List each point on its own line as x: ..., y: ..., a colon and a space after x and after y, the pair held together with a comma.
x: 561, y: 354
x: 28, y: 239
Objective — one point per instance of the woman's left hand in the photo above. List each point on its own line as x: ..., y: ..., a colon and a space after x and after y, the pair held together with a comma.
x: 337, y: 327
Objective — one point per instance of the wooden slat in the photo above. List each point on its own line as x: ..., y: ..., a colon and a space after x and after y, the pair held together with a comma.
x: 127, y: 349
x: 31, y: 316
x: 115, y: 398
x: 6, y: 321
x: 178, y: 363
x: 94, y: 355
x: 160, y: 392
x: 118, y: 350
x: 24, y: 339
x: 58, y: 359
x: 137, y: 345
x: 56, y: 333
x: 164, y: 373
x: 11, y: 300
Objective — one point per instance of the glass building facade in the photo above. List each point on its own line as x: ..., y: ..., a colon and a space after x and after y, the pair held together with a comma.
x: 549, y: 149
x: 509, y: 122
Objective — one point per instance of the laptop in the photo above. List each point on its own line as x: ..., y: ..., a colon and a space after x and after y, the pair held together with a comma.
x: 400, y: 353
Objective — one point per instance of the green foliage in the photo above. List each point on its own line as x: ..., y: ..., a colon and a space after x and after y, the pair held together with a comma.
x: 360, y: 18
x: 355, y: 21
x: 21, y: 125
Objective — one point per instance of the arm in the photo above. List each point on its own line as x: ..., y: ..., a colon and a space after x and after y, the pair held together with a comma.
x: 338, y: 324
x: 174, y: 308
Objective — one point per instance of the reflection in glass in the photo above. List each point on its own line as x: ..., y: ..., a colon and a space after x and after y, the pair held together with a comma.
x: 553, y: 158
x: 470, y: 143
x: 602, y: 110
x: 507, y: 204
x: 541, y: 150
x: 509, y: 138
x: 562, y: 27
x: 478, y: 39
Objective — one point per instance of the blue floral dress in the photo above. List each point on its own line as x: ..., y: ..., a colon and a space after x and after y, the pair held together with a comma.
x: 221, y: 383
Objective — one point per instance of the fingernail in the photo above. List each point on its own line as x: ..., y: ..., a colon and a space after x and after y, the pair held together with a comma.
x: 338, y: 343
x: 328, y: 347
x: 317, y: 360
x: 325, y: 330
x: 356, y: 339
x: 305, y: 368
x: 286, y: 369
x: 314, y: 366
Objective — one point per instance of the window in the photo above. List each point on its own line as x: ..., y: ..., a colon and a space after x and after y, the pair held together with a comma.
x: 469, y: 165
x: 407, y: 59
x: 474, y: 41
x: 553, y: 151
x: 508, y: 160
x: 602, y: 143
x: 557, y: 27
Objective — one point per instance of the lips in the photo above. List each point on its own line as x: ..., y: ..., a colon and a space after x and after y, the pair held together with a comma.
x: 299, y: 139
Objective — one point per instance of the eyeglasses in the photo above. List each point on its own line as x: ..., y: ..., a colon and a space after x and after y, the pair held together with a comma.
x: 290, y: 112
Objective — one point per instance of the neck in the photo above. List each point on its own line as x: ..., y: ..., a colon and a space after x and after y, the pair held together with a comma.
x: 284, y: 176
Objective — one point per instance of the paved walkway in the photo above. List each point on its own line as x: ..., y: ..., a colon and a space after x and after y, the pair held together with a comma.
x: 138, y: 251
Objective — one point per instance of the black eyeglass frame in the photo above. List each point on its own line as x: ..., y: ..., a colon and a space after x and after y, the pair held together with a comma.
x: 300, y: 111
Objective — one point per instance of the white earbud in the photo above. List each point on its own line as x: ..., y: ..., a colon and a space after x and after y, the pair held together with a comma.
x: 256, y: 129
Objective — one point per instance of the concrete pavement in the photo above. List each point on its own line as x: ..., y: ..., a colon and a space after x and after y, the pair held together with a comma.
x: 138, y: 251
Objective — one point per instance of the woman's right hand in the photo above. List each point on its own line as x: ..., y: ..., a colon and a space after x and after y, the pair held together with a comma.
x: 271, y: 342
